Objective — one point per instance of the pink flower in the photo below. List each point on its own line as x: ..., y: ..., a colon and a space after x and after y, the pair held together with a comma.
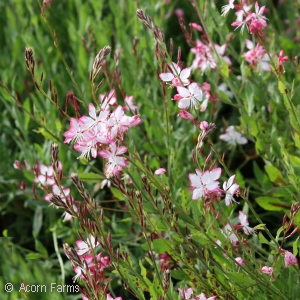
x: 196, y: 26
x: 229, y: 233
x: 186, y: 294
x: 177, y: 76
x: 256, y: 22
x: 46, y: 175
x: 257, y: 56
x: 227, y: 8
x: 61, y: 192
x: 87, y: 265
x: 93, y: 119
x: 203, y: 59
x: 205, y: 183
x: 267, y: 270
x: 190, y: 96
x: 230, y: 188
x: 86, y: 246
x: 221, y: 51
x: 109, y: 297
x: 107, y: 100
x: 179, y: 13
x: 281, y: 60
x: 75, y: 132
x: 232, y: 137
x: 289, y: 259
x: 164, y: 260
x: 160, y: 171
x: 129, y: 104
x: 115, y: 162
x: 185, y: 115
x: 119, y: 123
x: 103, y: 262
x: 17, y: 165
x: 202, y: 296
x: 203, y: 125
x: 89, y: 144
x: 244, y: 222
x: 239, y: 261
x: 66, y: 216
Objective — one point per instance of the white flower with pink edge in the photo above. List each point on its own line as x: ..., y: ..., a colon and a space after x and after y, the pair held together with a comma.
x: 230, y: 188
x: 176, y: 75
x: 205, y: 183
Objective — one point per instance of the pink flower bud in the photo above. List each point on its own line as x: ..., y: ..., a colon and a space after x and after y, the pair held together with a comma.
x: 203, y: 125
x: 160, y: 171
x: 177, y: 97
x: 179, y: 13
x: 240, y: 261
x: 17, y: 165
x: 196, y: 26
x: 267, y: 270
x: 185, y: 115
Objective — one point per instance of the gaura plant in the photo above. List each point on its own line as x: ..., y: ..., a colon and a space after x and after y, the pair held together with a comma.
x: 197, y: 231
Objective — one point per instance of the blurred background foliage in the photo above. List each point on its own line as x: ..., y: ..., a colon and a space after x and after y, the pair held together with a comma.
x: 31, y: 228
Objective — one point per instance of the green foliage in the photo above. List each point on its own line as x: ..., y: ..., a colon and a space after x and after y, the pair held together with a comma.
x: 149, y: 220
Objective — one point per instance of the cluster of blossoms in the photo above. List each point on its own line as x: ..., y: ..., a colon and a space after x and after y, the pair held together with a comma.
x: 204, y: 59
x: 289, y: 259
x: 102, y: 132
x: 255, y: 22
x: 206, y: 185
x: 88, y: 266
x: 44, y: 175
x: 257, y: 56
x: 187, y: 295
x: 189, y: 95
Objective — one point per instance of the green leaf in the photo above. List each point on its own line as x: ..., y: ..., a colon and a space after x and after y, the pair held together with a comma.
x: 224, y: 97
x: 156, y: 289
x: 26, y: 106
x: 295, y: 160
x: 240, y: 179
x: 90, y: 177
x: 297, y: 219
x: 282, y: 87
x: 48, y: 135
x: 58, y: 126
x: 249, y: 123
x: 159, y: 246
x: 117, y: 193
x: 275, y: 175
x: 278, y: 233
x: 270, y: 203
x: 37, y: 220
x: 144, y: 273
x: 240, y: 279
x: 258, y: 173
x: 180, y: 275
x: 297, y: 139
x: 32, y: 256
x: 224, y: 69
x: 40, y: 248
x: 262, y: 239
